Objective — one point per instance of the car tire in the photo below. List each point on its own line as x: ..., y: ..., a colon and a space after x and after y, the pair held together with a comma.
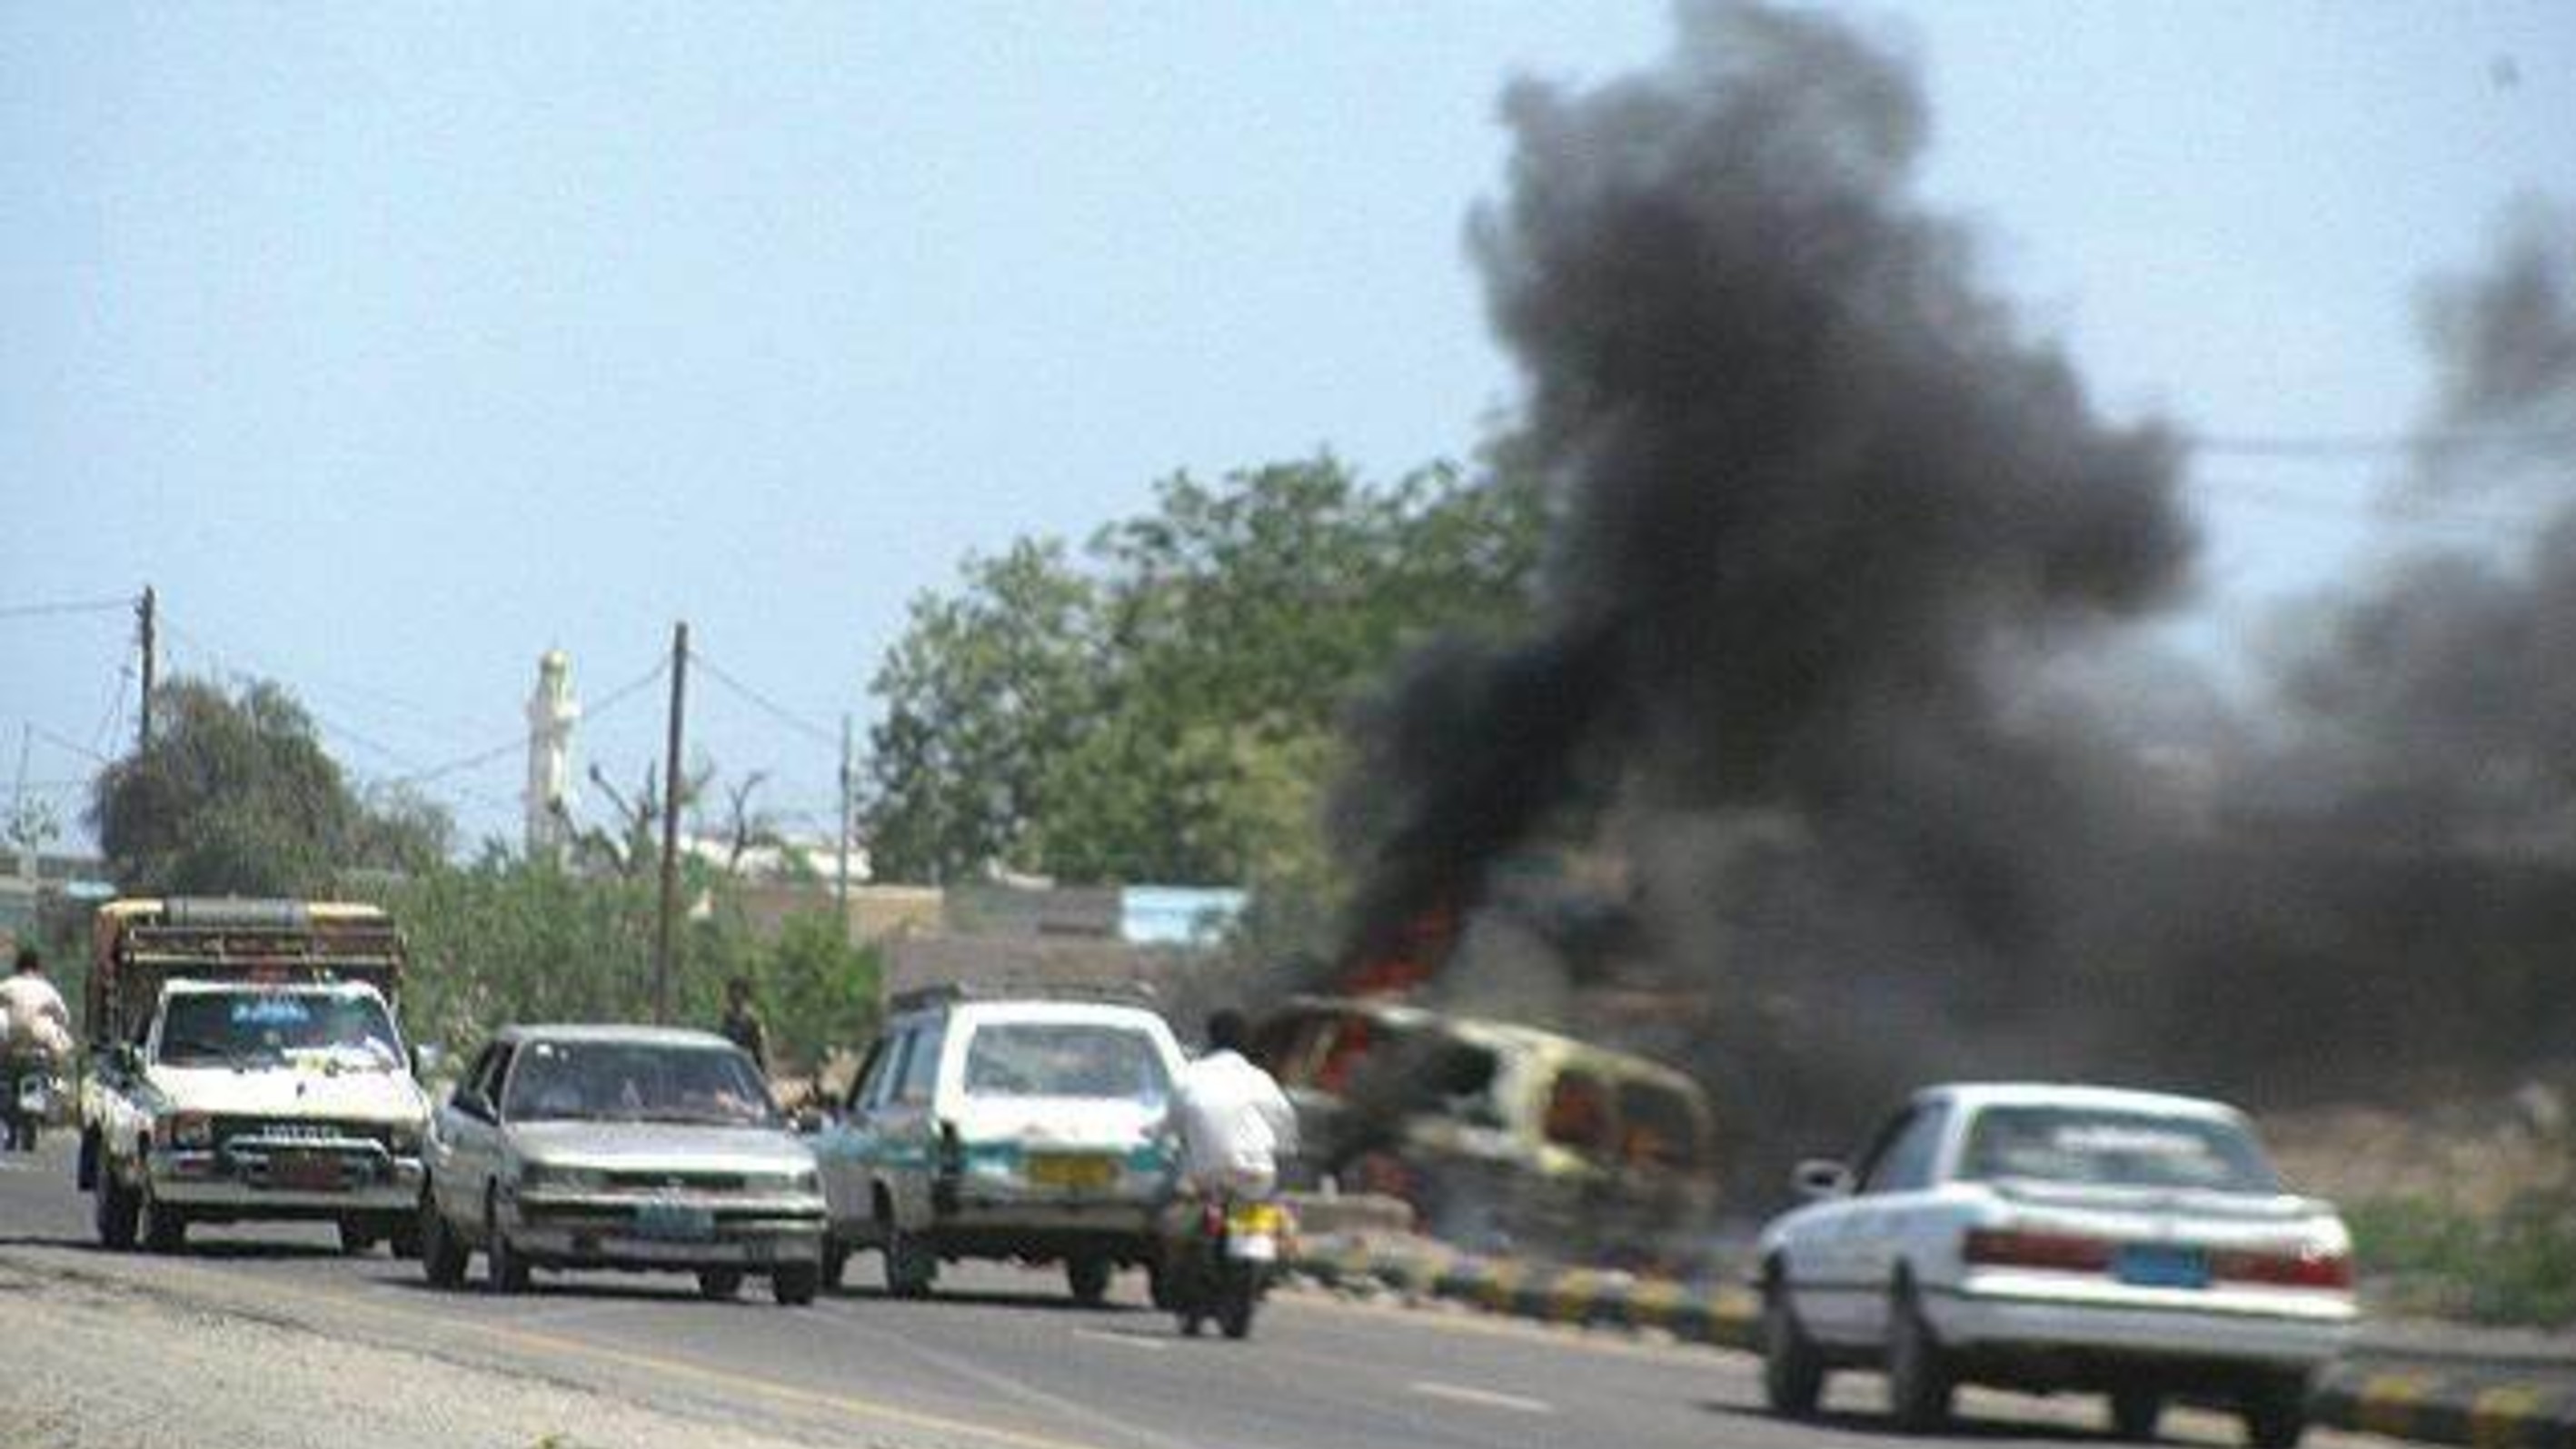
x: 443, y: 1255
x: 836, y: 1263
x: 1088, y: 1278
x: 504, y: 1271
x: 1793, y: 1368
x: 357, y: 1239
x: 163, y: 1228
x: 2276, y: 1412
x: 403, y: 1237
x: 2135, y: 1414
x: 1919, y: 1380
x: 720, y: 1284
x: 795, y: 1284
x: 115, y: 1210
x: 910, y: 1266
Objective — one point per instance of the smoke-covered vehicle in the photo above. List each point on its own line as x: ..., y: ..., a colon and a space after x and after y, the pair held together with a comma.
x: 621, y: 1147
x: 2050, y: 1237
x: 1499, y: 1134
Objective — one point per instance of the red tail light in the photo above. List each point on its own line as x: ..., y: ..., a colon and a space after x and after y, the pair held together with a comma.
x: 2013, y: 1248
x: 2297, y: 1269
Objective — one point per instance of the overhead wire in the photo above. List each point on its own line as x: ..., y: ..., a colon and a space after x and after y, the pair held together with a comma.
x: 779, y: 712
x: 46, y: 608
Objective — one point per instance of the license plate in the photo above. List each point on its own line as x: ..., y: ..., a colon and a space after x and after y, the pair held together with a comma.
x: 2155, y: 1265
x: 34, y: 1097
x: 672, y: 1222
x: 1075, y: 1170
x: 305, y: 1171
x: 1257, y: 1220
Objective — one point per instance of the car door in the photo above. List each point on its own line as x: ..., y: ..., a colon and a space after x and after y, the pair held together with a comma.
x: 841, y: 1149
x: 467, y: 1139
x: 907, y: 1126
x: 1819, y: 1249
x: 1893, y: 1193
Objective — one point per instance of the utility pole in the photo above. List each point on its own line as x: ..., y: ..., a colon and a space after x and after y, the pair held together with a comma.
x: 146, y: 618
x: 841, y: 888
x: 671, y: 825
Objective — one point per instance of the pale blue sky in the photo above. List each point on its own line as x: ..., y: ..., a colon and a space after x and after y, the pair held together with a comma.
x: 398, y: 343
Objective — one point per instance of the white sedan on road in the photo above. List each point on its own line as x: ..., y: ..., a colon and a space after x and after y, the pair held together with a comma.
x: 2055, y: 1237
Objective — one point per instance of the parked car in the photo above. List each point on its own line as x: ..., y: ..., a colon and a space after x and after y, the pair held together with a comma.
x: 1497, y: 1133
x: 622, y: 1147
x: 1007, y: 1127
x: 2055, y: 1237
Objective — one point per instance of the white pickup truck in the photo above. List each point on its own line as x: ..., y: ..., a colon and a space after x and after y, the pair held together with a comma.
x: 247, y: 1064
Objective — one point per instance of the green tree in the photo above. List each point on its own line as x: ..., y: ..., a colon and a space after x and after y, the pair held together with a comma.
x: 985, y: 691
x: 1171, y: 712
x: 236, y: 795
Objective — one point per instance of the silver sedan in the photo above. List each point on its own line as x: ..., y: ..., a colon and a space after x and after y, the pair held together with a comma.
x: 620, y: 1147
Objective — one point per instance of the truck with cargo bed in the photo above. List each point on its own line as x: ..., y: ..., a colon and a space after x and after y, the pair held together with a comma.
x: 247, y: 1063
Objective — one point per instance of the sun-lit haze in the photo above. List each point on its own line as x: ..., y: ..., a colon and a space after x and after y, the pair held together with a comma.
x: 395, y: 346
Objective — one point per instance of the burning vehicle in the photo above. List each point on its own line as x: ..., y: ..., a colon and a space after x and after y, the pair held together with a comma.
x: 1497, y: 1133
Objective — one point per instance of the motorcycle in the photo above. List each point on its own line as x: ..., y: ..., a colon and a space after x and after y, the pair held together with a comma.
x: 30, y: 1094
x: 1225, y: 1264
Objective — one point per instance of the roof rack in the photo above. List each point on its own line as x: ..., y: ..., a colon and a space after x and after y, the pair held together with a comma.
x: 945, y: 993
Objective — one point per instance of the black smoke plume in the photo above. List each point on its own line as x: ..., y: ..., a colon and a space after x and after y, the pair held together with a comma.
x: 1836, y: 649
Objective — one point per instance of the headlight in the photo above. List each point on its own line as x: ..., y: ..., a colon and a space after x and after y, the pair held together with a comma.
x: 191, y: 1129
x: 554, y: 1178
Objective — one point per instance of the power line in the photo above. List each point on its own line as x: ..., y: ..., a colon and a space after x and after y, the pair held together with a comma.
x: 2337, y: 447
x: 517, y: 742
x: 49, y: 607
x: 771, y: 707
x: 75, y: 746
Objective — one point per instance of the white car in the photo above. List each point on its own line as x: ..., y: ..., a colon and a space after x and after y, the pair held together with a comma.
x: 622, y: 1147
x: 1011, y: 1128
x: 2055, y: 1237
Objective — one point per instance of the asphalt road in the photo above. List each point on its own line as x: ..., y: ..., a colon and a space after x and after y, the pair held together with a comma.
x: 997, y: 1358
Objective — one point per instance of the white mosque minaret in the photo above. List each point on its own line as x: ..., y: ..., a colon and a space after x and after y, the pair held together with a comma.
x: 552, y: 712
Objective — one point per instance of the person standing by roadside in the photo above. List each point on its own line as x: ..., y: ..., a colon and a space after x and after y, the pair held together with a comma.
x: 742, y: 1024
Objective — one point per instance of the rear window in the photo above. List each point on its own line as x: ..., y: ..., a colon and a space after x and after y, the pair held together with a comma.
x: 1064, y: 1059
x: 2115, y: 1149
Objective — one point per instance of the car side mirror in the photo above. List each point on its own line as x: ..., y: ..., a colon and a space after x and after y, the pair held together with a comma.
x: 472, y: 1103
x: 426, y: 1059
x: 127, y: 1058
x: 1819, y: 1178
x: 810, y: 1120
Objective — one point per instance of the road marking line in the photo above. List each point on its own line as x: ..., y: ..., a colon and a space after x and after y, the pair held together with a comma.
x: 1124, y: 1340
x: 1482, y: 1398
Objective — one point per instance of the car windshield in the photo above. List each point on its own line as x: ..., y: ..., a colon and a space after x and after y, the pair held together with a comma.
x: 2116, y: 1149
x: 250, y: 1026
x: 635, y: 1082
x: 1065, y: 1059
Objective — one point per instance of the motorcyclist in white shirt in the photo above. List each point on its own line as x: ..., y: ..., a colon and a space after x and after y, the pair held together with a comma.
x: 1233, y: 1122
x: 35, y: 1037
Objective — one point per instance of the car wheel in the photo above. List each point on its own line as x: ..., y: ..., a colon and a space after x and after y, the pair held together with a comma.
x: 1919, y: 1384
x: 115, y: 1210
x: 504, y: 1271
x: 442, y: 1253
x: 794, y: 1284
x: 2135, y: 1414
x: 356, y: 1240
x: 1793, y: 1370
x: 2276, y: 1412
x: 836, y: 1262
x: 164, y: 1228
x: 719, y: 1283
x: 1088, y: 1277
x: 403, y: 1236
x: 910, y: 1266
